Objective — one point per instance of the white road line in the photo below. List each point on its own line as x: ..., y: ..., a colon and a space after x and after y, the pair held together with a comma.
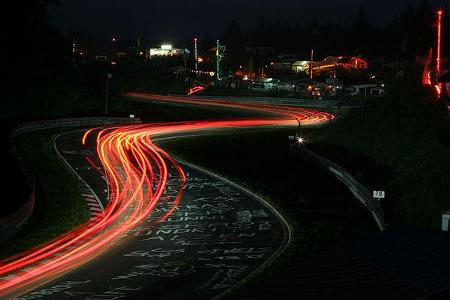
x: 90, y: 190
x: 286, y: 227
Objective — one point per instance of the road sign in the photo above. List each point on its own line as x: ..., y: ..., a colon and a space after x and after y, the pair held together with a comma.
x: 379, y: 194
x: 445, y: 220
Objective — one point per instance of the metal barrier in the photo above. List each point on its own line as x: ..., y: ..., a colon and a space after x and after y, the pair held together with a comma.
x: 264, y: 100
x: 357, y: 189
x: 12, y: 223
x: 74, y: 122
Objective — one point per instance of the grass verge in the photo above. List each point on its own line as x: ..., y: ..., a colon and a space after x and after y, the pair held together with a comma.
x: 319, y: 209
x: 398, y: 144
x: 59, y: 206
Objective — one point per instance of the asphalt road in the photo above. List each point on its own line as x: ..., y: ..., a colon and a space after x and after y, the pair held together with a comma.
x: 157, y: 227
x: 218, y: 236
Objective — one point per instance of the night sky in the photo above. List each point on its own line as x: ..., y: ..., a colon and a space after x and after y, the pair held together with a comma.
x: 178, y: 19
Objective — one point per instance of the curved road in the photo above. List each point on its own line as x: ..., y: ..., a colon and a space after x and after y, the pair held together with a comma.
x: 168, y: 230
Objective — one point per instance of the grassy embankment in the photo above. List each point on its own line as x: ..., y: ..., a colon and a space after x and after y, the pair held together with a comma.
x: 321, y: 212
x: 59, y: 206
x: 61, y: 93
x: 399, y: 144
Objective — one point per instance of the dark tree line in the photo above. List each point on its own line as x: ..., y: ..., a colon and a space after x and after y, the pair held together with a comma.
x: 28, y: 38
x: 411, y: 34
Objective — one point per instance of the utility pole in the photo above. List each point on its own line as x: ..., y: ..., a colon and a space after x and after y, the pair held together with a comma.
x: 311, y: 67
x: 218, y: 59
x: 108, y: 77
x: 139, y: 45
x: 196, y: 53
x: 363, y: 104
x: 114, y: 41
x: 74, y: 52
x: 330, y: 126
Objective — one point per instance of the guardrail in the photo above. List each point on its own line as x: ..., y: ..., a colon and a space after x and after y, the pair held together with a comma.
x: 11, y: 224
x: 357, y: 189
x: 300, y: 102
x: 74, y: 122
x: 273, y: 100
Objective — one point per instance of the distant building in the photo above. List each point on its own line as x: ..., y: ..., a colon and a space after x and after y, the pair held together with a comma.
x: 291, y: 58
x: 301, y: 66
x: 166, y: 50
x: 370, y: 90
x: 263, y: 84
x: 330, y: 64
x: 282, y: 66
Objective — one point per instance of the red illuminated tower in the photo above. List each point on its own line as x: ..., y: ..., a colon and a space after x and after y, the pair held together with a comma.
x: 439, y: 38
x: 440, y: 13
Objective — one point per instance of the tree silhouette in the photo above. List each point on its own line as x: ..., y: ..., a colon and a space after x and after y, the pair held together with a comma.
x: 361, y: 31
x: 28, y: 38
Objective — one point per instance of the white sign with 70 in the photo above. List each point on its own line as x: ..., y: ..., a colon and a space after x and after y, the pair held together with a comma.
x: 379, y: 194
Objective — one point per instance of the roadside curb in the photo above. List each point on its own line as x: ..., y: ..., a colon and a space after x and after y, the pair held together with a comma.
x: 92, y: 200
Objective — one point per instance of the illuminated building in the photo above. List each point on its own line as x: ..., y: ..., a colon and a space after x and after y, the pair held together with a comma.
x: 330, y: 63
x: 167, y: 50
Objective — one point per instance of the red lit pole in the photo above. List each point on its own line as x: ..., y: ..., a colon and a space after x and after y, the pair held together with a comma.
x: 439, y: 37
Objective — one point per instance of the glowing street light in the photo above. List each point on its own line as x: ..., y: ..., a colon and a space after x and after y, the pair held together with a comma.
x: 114, y: 41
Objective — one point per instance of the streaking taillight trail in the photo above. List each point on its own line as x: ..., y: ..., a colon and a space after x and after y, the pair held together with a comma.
x: 137, y: 171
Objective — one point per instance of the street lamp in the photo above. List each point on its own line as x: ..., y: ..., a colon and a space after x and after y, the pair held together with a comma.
x: 108, y: 77
x: 114, y: 41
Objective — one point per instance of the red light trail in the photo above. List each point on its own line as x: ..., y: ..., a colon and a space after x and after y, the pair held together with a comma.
x: 195, y: 90
x: 137, y: 171
x: 287, y: 113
